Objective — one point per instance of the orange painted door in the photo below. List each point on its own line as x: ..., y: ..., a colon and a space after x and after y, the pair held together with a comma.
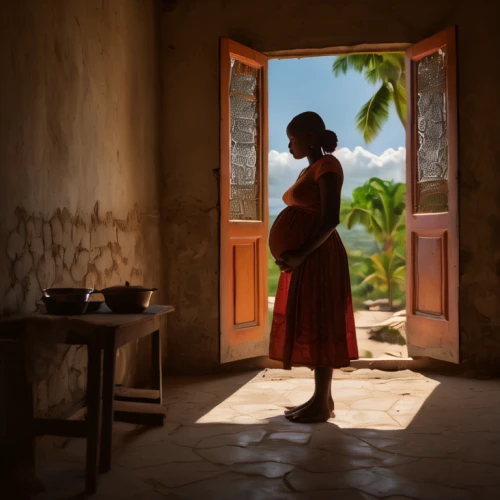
x: 432, y: 199
x: 243, y: 202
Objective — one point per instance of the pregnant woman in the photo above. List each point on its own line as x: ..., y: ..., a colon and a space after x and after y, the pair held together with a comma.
x: 313, y: 322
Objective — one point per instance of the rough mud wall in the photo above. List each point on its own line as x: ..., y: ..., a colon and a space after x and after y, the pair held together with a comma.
x: 86, y: 250
x: 191, y: 32
x: 79, y: 156
x: 83, y: 250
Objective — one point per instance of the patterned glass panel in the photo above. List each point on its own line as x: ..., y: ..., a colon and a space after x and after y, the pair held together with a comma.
x: 244, y: 178
x: 432, y: 152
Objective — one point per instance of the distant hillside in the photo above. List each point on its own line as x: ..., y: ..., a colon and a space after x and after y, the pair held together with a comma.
x: 354, y: 239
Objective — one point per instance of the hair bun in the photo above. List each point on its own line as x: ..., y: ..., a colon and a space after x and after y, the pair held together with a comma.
x: 329, y: 141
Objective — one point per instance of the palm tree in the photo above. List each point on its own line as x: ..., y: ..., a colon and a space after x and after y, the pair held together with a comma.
x: 390, y: 269
x: 379, y: 206
x: 386, y: 69
x: 360, y: 266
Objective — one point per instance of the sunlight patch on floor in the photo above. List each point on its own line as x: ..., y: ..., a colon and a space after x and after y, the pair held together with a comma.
x: 368, y: 399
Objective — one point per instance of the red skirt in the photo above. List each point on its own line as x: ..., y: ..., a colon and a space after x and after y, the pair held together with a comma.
x: 313, y: 321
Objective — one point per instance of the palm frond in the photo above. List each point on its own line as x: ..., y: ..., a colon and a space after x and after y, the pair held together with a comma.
x: 380, y: 185
x: 388, y: 69
x: 357, y: 62
x: 382, y: 263
x: 383, y: 71
x: 340, y: 66
x: 377, y: 222
x: 371, y: 278
x: 397, y: 59
x: 399, y: 275
x: 357, y: 216
x: 400, y: 100
x: 374, y: 114
x: 399, y: 240
x: 399, y: 194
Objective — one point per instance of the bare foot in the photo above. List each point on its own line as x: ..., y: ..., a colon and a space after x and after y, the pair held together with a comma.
x: 291, y: 410
x: 311, y: 414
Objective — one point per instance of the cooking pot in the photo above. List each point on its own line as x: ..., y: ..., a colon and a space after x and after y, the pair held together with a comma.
x: 127, y: 299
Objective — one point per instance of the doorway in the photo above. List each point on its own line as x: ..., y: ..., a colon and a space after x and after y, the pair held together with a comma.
x: 431, y: 215
x: 370, y: 120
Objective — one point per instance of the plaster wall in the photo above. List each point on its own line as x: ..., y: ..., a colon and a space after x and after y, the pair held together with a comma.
x: 190, y: 34
x: 79, y: 156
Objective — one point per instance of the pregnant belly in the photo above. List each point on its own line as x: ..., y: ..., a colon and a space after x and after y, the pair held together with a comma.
x: 290, y: 230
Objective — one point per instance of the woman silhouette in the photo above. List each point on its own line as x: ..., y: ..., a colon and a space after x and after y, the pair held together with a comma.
x: 313, y: 322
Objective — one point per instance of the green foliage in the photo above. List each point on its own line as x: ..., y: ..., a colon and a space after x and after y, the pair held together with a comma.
x: 389, y: 270
x: 374, y: 113
x: 386, y: 70
x: 273, y: 275
x: 379, y: 206
x: 360, y: 266
x: 373, y: 232
x: 358, y: 239
x: 389, y: 335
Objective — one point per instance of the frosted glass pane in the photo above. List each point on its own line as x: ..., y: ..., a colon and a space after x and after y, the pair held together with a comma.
x: 432, y: 153
x: 431, y: 71
x: 244, y: 177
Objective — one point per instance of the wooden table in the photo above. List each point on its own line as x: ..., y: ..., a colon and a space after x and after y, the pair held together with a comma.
x: 103, y: 333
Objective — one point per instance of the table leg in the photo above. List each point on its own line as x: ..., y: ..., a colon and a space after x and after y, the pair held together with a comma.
x: 17, y: 443
x: 94, y: 388
x: 156, y: 382
x: 108, y: 397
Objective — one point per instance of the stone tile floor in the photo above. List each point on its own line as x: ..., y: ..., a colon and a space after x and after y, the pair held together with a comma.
x: 396, y: 435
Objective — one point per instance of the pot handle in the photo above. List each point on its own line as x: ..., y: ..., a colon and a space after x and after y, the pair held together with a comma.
x: 145, y: 289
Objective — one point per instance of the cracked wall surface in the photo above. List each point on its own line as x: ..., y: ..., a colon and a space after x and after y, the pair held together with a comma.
x: 66, y: 250
x: 79, y: 154
x: 191, y: 144
x: 86, y: 250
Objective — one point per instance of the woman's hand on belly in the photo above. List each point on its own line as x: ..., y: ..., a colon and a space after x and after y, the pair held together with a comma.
x: 283, y: 267
x: 293, y: 259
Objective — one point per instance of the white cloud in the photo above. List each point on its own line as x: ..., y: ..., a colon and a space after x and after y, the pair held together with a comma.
x: 359, y: 165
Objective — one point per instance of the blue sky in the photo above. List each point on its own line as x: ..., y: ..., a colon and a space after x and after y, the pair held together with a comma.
x: 297, y: 85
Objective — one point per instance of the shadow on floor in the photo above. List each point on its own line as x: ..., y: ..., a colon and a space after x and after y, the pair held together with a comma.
x: 396, y: 435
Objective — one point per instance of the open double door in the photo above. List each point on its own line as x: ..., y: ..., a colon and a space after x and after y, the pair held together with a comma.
x: 432, y: 200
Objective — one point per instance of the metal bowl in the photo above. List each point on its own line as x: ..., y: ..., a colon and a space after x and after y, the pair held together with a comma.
x: 72, y: 305
x: 68, y: 294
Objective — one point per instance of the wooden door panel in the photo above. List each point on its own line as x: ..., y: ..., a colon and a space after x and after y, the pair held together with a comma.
x: 429, y: 275
x: 243, y: 203
x: 432, y: 199
x: 246, y: 284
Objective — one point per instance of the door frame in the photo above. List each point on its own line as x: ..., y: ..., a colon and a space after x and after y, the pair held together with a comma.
x: 357, y: 49
x: 366, y: 48
x: 370, y: 48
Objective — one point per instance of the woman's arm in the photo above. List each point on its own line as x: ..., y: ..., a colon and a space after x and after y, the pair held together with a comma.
x: 330, y: 185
